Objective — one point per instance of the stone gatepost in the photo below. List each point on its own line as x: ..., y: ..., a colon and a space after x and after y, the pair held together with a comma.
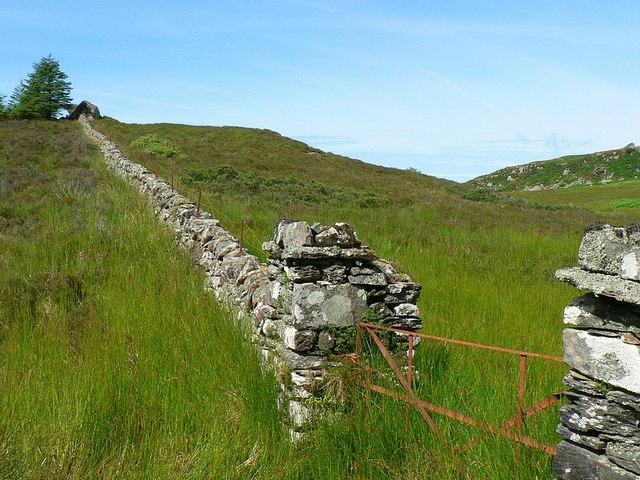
x: 327, y: 281
x: 601, y: 422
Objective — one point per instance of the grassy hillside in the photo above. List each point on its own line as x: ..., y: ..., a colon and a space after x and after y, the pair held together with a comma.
x: 620, y: 201
x: 114, y: 364
x: 279, y: 160
x: 487, y: 268
x: 590, y: 169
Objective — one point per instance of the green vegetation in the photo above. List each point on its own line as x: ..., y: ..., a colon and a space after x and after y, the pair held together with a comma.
x: 271, y: 155
x: 590, y: 169
x: 284, y: 190
x: 152, y: 143
x: 115, y: 363
x: 43, y: 94
x: 618, y: 200
x: 486, y: 269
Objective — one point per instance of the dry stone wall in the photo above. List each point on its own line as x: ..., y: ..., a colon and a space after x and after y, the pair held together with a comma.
x: 601, y: 422
x: 302, y: 306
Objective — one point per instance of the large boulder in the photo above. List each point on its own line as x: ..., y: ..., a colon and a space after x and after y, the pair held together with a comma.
x: 84, y: 107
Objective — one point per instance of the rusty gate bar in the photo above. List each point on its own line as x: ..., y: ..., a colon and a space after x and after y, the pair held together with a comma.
x: 411, y: 394
x: 407, y: 409
x: 465, y: 342
x: 422, y: 406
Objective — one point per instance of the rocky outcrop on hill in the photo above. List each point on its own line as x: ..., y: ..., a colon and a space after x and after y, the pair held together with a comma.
x: 590, y: 169
x: 601, y: 422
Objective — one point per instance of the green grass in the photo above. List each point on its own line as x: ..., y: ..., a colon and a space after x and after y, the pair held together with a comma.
x: 486, y: 269
x: 620, y: 201
x: 114, y: 364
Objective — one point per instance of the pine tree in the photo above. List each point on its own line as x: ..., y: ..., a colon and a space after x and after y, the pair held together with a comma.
x: 44, y: 93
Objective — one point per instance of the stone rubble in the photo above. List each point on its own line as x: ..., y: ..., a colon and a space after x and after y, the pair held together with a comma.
x: 601, y: 422
x: 319, y: 282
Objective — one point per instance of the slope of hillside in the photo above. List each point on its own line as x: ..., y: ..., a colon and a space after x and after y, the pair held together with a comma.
x: 270, y: 162
x: 589, y: 169
x: 98, y: 308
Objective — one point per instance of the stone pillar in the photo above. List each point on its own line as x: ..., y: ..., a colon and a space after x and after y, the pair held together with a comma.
x: 601, y: 422
x: 328, y: 282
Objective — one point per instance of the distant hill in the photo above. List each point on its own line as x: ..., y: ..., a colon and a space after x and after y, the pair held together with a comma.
x: 589, y: 169
x: 250, y: 161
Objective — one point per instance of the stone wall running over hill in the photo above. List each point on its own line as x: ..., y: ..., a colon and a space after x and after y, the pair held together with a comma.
x: 303, y: 304
x: 601, y: 422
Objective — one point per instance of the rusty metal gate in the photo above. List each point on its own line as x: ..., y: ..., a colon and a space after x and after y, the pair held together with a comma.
x: 511, y: 429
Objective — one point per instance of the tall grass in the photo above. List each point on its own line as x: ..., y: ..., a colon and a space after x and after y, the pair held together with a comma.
x: 114, y: 364
x: 487, y: 275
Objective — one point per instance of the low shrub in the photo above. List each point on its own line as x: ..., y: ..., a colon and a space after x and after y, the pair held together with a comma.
x: 152, y: 143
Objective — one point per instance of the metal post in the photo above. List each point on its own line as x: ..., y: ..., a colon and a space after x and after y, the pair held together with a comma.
x: 522, y: 385
x: 172, y: 181
x: 407, y: 407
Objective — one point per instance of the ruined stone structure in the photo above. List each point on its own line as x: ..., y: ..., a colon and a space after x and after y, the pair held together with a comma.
x: 601, y: 422
x: 303, y: 304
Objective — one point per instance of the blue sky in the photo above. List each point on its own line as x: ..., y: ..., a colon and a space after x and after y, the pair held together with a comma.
x: 452, y: 88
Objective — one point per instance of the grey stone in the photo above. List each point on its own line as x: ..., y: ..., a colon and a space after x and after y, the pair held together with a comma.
x: 602, y: 284
x: 325, y: 341
x: 340, y: 234
x: 594, y: 443
x: 602, y: 313
x: 406, y: 310
x: 273, y: 328
x: 625, y: 455
x: 582, y: 383
x: 295, y: 361
x: 625, y: 399
x: 573, y: 462
x: 356, y: 270
x: 299, y: 340
x: 375, y: 280
x: 630, y: 265
x: 303, y: 273
x: 603, y: 247
x: 335, y: 273
x: 300, y: 414
x: 262, y: 312
x: 293, y: 234
x: 585, y: 414
x: 385, y: 267
x: 607, y: 359
x: 318, y: 307
x: 402, y: 292
x: 292, y: 254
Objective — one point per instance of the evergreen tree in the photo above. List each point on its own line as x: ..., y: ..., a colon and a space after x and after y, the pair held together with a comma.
x: 44, y: 93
